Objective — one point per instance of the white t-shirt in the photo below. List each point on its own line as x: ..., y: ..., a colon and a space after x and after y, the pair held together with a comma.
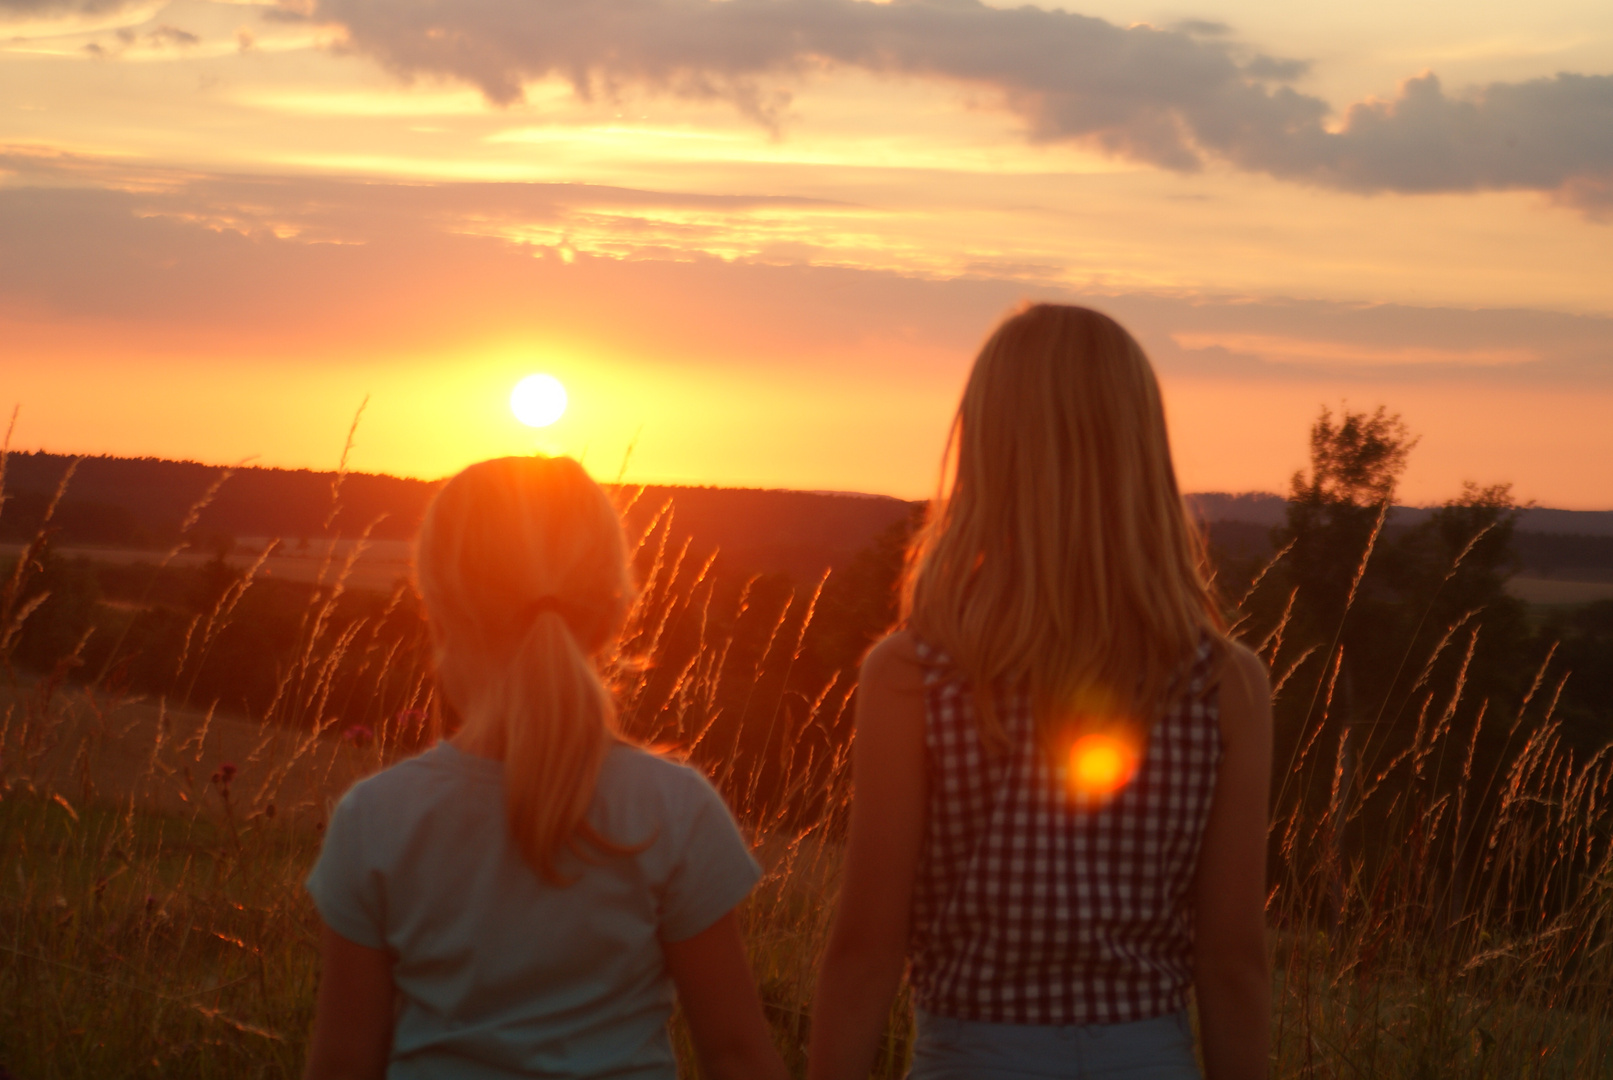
x: 499, y: 972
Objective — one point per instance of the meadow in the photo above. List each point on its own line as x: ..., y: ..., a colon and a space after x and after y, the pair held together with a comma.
x: 1442, y: 868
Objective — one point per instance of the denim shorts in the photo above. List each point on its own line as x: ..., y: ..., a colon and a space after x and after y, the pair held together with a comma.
x: 1156, y: 1049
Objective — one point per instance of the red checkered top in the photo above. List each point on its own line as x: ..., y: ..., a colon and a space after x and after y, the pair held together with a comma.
x: 1031, y: 910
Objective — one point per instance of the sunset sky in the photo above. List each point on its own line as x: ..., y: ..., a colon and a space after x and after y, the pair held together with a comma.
x: 760, y: 240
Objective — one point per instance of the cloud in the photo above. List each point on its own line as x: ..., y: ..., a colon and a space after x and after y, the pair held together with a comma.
x: 27, y: 20
x: 1277, y: 349
x: 172, y: 35
x: 1276, y: 340
x: 1551, y: 134
x: 1173, y: 97
x: 32, y: 9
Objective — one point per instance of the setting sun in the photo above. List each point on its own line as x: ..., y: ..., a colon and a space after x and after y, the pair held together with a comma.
x: 1101, y: 764
x: 538, y: 400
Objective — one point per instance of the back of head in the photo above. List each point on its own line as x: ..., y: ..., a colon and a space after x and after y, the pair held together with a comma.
x: 1061, y: 557
x: 523, y: 569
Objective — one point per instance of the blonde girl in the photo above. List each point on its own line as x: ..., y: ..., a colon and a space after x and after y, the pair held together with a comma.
x: 1061, y: 766
x: 524, y: 898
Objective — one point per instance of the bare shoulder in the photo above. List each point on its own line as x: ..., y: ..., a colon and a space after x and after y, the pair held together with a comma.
x: 1243, y: 669
x: 890, y: 698
x: 1245, y: 694
x: 893, y: 664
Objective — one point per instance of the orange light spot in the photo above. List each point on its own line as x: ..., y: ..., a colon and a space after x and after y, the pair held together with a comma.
x: 1101, y: 764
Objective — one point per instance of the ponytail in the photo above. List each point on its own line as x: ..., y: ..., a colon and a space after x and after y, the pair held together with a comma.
x: 523, y: 569
x: 559, y: 723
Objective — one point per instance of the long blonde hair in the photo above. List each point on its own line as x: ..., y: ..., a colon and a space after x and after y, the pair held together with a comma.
x: 523, y: 569
x: 1060, y: 558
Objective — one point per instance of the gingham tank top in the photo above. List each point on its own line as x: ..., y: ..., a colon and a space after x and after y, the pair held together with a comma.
x: 1028, y: 910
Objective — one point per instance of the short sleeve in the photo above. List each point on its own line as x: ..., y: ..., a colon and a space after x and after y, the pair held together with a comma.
x: 344, y: 889
x: 714, y: 871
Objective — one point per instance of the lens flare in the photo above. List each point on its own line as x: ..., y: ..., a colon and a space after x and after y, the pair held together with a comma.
x: 1101, y: 763
x: 538, y: 400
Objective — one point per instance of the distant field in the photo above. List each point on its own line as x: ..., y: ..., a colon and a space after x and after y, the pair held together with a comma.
x: 381, y: 564
x: 110, y: 750
x: 378, y: 566
x: 1537, y: 590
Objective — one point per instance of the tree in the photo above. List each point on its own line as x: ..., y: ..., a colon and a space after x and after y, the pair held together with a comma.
x: 1339, y: 613
x: 1408, y: 635
x: 1334, y: 514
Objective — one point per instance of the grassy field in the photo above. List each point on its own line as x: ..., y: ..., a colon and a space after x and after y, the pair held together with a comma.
x: 1555, y: 591
x: 152, y: 918
x: 1429, y: 918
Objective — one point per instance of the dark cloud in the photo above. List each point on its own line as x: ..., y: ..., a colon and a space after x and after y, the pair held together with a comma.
x: 172, y: 35
x: 1545, y: 134
x: 1202, y: 27
x: 1174, y: 97
x: 1261, y: 66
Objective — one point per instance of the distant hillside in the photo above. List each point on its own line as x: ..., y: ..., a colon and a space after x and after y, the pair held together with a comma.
x: 1252, y: 507
x: 799, y: 532
x: 1263, y: 508
x: 143, y: 501
x: 1550, y: 542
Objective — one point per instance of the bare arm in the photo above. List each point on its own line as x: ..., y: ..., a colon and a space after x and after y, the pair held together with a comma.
x: 1233, y: 978
x: 718, y: 995
x: 352, y: 1038
x: 867, y: 949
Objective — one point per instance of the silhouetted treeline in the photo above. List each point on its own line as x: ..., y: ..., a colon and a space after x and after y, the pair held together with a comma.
x: 1547, y: 554
x: 1264, y: 508
x: 142, y: 502
x: 1557, y: 553
x: 800, y: 533
x: 146, y: 502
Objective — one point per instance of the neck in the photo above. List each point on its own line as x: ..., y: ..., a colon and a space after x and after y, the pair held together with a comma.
x: 481, y: 740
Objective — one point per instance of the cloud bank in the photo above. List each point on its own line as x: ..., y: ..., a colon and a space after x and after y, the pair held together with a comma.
x: 87, y: 242
x: 1175, y: 97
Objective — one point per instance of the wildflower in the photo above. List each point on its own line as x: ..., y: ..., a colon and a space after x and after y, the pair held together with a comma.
x: 226, y: 773
x: 358, y: 734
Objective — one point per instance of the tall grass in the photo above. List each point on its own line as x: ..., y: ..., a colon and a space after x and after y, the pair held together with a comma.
x: 1436, y: 911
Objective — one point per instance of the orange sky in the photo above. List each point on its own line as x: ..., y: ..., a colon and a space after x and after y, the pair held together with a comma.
x: 767, y: 261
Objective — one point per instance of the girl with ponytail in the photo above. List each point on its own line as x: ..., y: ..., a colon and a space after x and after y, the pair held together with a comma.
x: 525, y: 897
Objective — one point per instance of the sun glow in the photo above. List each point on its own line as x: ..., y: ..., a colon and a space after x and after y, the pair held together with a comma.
x: 538, y: 400
x: 1101, y: 764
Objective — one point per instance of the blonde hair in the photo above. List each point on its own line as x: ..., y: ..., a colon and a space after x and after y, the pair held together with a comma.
x: 1061, y: 559
x: 523, y: 569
